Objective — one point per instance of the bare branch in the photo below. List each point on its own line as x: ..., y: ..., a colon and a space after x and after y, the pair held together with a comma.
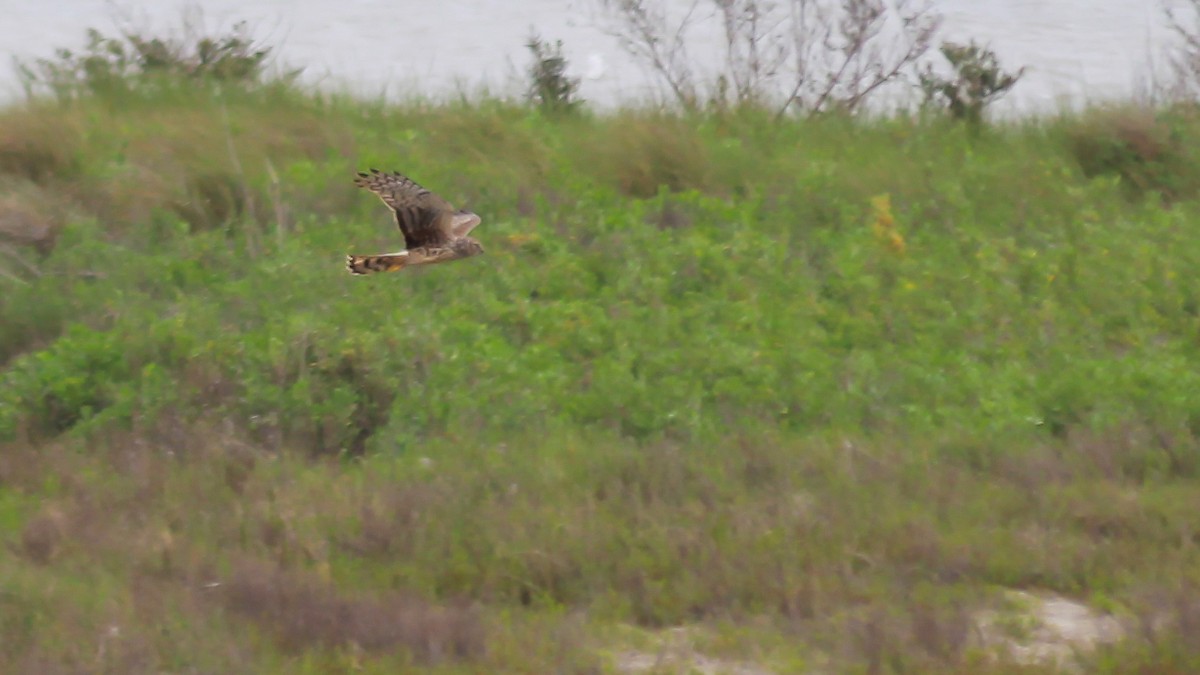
x: 642, y: 28
x: 754, y: 52
x: 1185, y: 58
x: 819, y: 54
x: 816, y: 54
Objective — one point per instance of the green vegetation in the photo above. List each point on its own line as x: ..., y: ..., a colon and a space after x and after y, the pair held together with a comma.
x: 551, y: 88
x: 822, y: 387
x: 977, y: 82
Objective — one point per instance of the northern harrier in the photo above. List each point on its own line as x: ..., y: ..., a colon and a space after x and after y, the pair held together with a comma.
x: 434, y: 231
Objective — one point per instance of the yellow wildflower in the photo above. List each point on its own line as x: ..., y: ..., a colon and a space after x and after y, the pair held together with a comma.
x: 884, y: 224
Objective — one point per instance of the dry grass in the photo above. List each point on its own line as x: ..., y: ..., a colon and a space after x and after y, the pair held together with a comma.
x: 646, y: 153
x: 1141, y: 146
x: 307, y: 613
x: 40, y: 144
x: 43, y: 535
x: 876, y: 558
x: 183, y: 157
x: 29, y: 217
x: 138, y: 529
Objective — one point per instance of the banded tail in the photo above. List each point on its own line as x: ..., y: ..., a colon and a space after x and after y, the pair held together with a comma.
x: 370, y: 264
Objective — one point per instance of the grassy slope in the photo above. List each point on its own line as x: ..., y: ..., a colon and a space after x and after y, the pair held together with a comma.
x: 836, y: 381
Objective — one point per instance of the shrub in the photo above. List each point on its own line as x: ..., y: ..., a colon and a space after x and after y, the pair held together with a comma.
x: 48, y: 392
x: 550, y: 88
x: 978, y: 80
x: 117, y: 65
x: 813, y: 57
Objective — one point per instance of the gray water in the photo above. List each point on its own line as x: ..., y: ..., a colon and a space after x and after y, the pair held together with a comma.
x: 1077, y: 50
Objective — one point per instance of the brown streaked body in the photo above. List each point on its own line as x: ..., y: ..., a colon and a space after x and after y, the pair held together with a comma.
x: 434, y: 231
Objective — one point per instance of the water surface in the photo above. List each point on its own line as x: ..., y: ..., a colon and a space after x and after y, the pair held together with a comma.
x: 1076, y: 50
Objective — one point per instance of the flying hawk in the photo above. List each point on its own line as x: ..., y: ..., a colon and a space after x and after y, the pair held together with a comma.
x: 434, y: 231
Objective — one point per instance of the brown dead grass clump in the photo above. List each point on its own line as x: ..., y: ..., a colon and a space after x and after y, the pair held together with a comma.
x: 38, y: 144
x: 304, y: 611
x: 43, y: 535
x: 1162, y: 635
x: 1139, y: 145
x: 390, y: 524
x: 185, y: 158
x: 191, y: 163
x: 494, y: 134
x: 906, y: 635
x: 23, y: 222
x: 1170, y: 618
x: 643, y: 154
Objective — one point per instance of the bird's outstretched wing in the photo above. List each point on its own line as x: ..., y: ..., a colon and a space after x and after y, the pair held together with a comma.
x: 463, y: 223
x: 425, y: 218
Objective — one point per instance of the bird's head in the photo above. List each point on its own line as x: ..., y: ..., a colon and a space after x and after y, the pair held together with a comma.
x: 469, y: 246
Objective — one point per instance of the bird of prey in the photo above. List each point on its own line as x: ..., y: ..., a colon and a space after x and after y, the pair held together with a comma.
x: 434, y: 231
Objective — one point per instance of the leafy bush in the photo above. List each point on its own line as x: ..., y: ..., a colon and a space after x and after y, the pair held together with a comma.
x: 48, y: 392
x: 978, y: 80
x: 550, y: 87
x: 113, y: 66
